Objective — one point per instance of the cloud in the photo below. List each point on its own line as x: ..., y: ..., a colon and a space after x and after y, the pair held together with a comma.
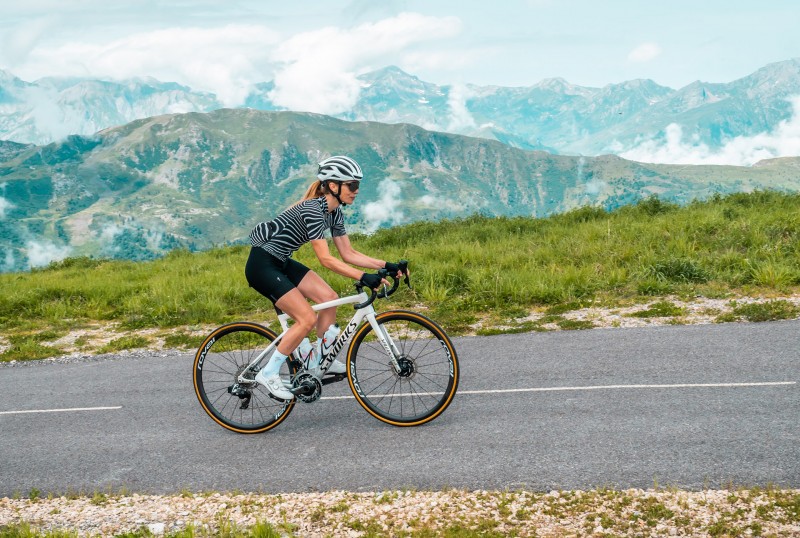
x: 318, y: 70
x: 45, y: 252
x: 8, y: 263
x: 5, y: 205
x: 386, y: 209
x: 22, y: 38
x: 314, y: 71
x: 783, y: 141
x: 50, y: 119
x: 226, y: 60
x: 110, y: 232
x: 593, y: 186
x: 644, y: 53
x: 460, y: 118
x: 107, y: 237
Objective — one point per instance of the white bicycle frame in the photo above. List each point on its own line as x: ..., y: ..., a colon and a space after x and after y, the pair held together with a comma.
x: 367, y: 312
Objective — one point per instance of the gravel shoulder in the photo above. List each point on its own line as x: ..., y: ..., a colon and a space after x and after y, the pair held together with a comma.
x: 655, y: 512
x: 86, y: 343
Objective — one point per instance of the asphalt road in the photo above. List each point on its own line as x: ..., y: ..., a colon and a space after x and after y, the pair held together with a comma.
x: 684, y: 406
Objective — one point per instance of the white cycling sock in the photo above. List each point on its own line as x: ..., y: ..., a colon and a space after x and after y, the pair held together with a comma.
x: 274, y: 364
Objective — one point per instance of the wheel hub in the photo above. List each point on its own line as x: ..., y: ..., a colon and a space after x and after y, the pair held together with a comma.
x: 407, y: 367
x: 248, y: 375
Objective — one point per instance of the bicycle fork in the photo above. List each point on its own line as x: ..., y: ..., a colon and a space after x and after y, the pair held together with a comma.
x: 387, y: 343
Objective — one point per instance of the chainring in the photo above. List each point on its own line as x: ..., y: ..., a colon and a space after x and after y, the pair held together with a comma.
x: 310, y: 382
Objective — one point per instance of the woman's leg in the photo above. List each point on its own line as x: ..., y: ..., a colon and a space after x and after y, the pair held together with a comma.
x: 319, y: 291
x: 296, y: 306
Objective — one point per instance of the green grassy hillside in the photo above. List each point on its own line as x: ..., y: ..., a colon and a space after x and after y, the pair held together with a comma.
x: 495, y: 269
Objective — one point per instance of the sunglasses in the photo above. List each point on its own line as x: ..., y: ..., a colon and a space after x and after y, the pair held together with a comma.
x: 351, y: 185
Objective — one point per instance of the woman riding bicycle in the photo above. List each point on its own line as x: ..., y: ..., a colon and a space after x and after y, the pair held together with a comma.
x: 271, y: 271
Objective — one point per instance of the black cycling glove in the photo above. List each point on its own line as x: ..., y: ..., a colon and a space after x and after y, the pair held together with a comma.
x: 393, y: 268
x: 372, y: 281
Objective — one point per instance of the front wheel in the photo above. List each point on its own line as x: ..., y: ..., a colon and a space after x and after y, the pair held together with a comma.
x: 226, y: 354
x: 422, y: 384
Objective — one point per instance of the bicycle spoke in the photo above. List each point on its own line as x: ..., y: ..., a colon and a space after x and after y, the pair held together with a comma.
x: 431, y: 380
x: 213, y: 371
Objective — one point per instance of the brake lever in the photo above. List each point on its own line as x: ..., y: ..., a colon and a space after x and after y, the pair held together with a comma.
x: 404, y: 269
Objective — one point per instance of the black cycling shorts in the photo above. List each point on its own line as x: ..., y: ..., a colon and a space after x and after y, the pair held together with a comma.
x: 272, y: 277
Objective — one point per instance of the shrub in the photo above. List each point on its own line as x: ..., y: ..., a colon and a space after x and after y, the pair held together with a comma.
x: 661, y: 309
x: 769, y: 311
x: 677, y: 270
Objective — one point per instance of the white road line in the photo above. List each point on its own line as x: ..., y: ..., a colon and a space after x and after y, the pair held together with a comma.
x: 595, y: 387
x: 620, y: 387
x: 60, y: 410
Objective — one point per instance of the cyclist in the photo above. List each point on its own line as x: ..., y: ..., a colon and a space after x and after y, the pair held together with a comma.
x: 271, y: 271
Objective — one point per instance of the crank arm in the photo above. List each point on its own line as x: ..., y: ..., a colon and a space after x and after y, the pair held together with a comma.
x: 333, y: 378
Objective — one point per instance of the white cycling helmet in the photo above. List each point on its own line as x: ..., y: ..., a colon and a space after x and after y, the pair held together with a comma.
x: 339, y: 168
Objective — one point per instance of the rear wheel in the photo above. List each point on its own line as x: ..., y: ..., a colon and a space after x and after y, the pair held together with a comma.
x: 426, y: 380
x: 240, y: 407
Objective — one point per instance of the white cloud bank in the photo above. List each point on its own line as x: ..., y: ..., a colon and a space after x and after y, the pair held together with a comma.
x: 783, y: 141
x: 226, y: 60
x: 318, y: 69
x: 313, y: 71
x: 41, y: 253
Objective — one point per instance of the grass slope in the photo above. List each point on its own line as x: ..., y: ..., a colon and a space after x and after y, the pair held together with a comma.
x: 496, y: 269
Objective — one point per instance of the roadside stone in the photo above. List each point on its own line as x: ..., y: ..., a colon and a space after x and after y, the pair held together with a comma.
x: 156, y: 528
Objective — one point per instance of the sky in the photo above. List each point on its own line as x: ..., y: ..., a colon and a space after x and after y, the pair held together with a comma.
x: 314, y: 49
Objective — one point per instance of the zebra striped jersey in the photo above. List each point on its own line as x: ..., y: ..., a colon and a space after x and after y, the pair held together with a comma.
x: 296, y: 226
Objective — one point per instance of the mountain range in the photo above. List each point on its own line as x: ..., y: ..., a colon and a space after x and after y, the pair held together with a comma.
x: 195, y: 180
x: 552, y: 115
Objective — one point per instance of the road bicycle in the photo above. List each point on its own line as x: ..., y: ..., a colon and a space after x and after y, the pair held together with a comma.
x: 401, y: 366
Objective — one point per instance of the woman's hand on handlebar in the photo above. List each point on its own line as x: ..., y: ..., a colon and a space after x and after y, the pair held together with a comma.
x: 398, y: 270
x: 373, y: 281
x: 395, y: 271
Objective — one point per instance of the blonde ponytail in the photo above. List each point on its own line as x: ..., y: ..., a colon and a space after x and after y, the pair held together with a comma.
x: 315, y: 190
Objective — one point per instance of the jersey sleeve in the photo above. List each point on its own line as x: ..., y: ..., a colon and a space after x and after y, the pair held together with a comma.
x: 337, y: 228
x: 315, y: 222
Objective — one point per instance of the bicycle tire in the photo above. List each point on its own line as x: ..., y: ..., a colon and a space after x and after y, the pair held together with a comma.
x: 419, y: 394
x: 224, y: 354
